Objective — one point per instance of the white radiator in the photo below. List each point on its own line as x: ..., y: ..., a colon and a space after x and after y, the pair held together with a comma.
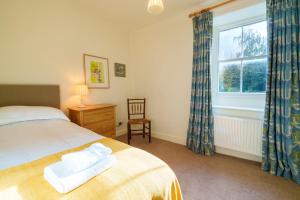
x: 238, y: 134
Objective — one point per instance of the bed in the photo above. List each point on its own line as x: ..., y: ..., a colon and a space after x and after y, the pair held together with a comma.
x: 28, y: 145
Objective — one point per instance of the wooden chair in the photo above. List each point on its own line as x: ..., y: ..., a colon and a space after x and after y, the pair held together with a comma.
x: 137, y: 116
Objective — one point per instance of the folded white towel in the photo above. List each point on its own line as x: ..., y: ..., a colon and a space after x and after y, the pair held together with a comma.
x: 81, y: 160
x: 62, y: 178
x: 100, y: 148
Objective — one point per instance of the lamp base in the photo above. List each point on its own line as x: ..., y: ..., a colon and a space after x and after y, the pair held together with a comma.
x: 81, y: 106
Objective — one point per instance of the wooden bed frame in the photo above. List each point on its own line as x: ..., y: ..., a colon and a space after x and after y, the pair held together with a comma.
x: 30, y: 95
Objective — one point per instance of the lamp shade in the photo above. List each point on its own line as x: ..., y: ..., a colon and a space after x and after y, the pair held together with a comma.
x: 82, y: 90
x: 155, y: 6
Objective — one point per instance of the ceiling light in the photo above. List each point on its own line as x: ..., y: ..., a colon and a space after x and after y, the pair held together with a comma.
x: 155, y: 7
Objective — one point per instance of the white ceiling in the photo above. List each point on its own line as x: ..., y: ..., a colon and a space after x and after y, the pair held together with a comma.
x: 133, y: 13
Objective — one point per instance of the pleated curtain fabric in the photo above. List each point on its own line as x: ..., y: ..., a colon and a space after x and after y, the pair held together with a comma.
x: 281, y: 134
x: 200, y: 138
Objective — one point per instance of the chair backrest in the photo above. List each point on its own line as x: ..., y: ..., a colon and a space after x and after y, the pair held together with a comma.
x: 136, y: 108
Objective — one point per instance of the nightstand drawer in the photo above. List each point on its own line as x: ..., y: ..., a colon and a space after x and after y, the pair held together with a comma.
x: 110, y: 133
x: 107, y: 133
x: 103, y: 126
x: 98, y: 115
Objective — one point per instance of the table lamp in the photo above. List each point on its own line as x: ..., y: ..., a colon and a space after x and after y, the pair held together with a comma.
x: 82, y: 90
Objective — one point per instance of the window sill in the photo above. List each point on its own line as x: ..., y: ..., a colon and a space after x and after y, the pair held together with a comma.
x: 241, y: 94
x: 238, y: 108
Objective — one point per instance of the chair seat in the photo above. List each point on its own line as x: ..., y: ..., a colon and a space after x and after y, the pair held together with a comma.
x: 138, y: 121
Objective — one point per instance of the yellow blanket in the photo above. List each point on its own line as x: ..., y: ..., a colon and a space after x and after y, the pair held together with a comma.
x: 137, y: 175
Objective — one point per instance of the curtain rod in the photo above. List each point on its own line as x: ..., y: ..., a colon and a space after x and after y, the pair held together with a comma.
x: 194, y: 14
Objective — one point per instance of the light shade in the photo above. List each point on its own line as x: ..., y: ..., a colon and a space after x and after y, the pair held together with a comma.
x: 82, y: 90
x: 155, y: 6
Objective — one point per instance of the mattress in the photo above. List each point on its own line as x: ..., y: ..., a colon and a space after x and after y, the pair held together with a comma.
x: 24, y: 142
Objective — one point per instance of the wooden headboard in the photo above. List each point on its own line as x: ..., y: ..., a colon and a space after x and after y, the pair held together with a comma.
x: 30, y: 95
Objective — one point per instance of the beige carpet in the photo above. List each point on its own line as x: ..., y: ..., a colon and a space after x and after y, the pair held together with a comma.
x: 219, y: 176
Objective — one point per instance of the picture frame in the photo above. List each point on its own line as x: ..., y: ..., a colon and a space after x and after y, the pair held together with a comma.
x: 120, y: 70
x: 96, y: 71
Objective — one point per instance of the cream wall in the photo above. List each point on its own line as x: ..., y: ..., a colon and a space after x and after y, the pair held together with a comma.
x: 42, y: 42
x: 162, y: 60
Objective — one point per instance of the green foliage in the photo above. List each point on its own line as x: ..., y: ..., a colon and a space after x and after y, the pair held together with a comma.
x: 254, y: 76
x: 231, y: 79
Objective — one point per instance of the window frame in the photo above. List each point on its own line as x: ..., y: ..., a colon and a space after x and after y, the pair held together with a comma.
x: 227, y: 27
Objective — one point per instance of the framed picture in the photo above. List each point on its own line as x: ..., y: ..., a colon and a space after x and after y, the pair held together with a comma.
x: 96, y: 71
x: 120, y: 70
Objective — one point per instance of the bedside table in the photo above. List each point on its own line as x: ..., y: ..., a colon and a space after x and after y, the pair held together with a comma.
x: 99, y: 118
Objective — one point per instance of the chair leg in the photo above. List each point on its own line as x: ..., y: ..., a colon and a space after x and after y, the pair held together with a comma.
x: 150, y: 132
x: 128, y: 133
x: 144, y: 131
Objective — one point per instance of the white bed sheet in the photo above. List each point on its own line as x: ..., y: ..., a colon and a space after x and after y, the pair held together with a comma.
x: 27, y: 141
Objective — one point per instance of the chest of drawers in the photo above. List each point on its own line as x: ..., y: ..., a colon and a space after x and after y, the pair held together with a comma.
x: 98, y: 118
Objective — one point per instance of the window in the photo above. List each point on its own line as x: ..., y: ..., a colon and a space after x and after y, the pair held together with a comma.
x: 243, y: 59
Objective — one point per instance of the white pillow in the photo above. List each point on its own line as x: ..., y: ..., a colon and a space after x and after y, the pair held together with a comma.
x: 14, y: 114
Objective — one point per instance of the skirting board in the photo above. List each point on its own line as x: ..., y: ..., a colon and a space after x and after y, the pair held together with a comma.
x: 170, y: 138
x: 182, y: 141
x: 166, y: 137
x: 121, y: 132
x: 220, y: 150
x: 237, y: 154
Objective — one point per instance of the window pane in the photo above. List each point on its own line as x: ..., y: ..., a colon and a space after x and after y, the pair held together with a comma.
x: 254, y: 75
x: 230, y: 44
x: 229, y: 77
x: 255, y: 39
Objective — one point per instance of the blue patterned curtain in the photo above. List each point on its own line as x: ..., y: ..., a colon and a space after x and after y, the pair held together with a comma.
x: 281, y: 136
x: 200, y: 137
